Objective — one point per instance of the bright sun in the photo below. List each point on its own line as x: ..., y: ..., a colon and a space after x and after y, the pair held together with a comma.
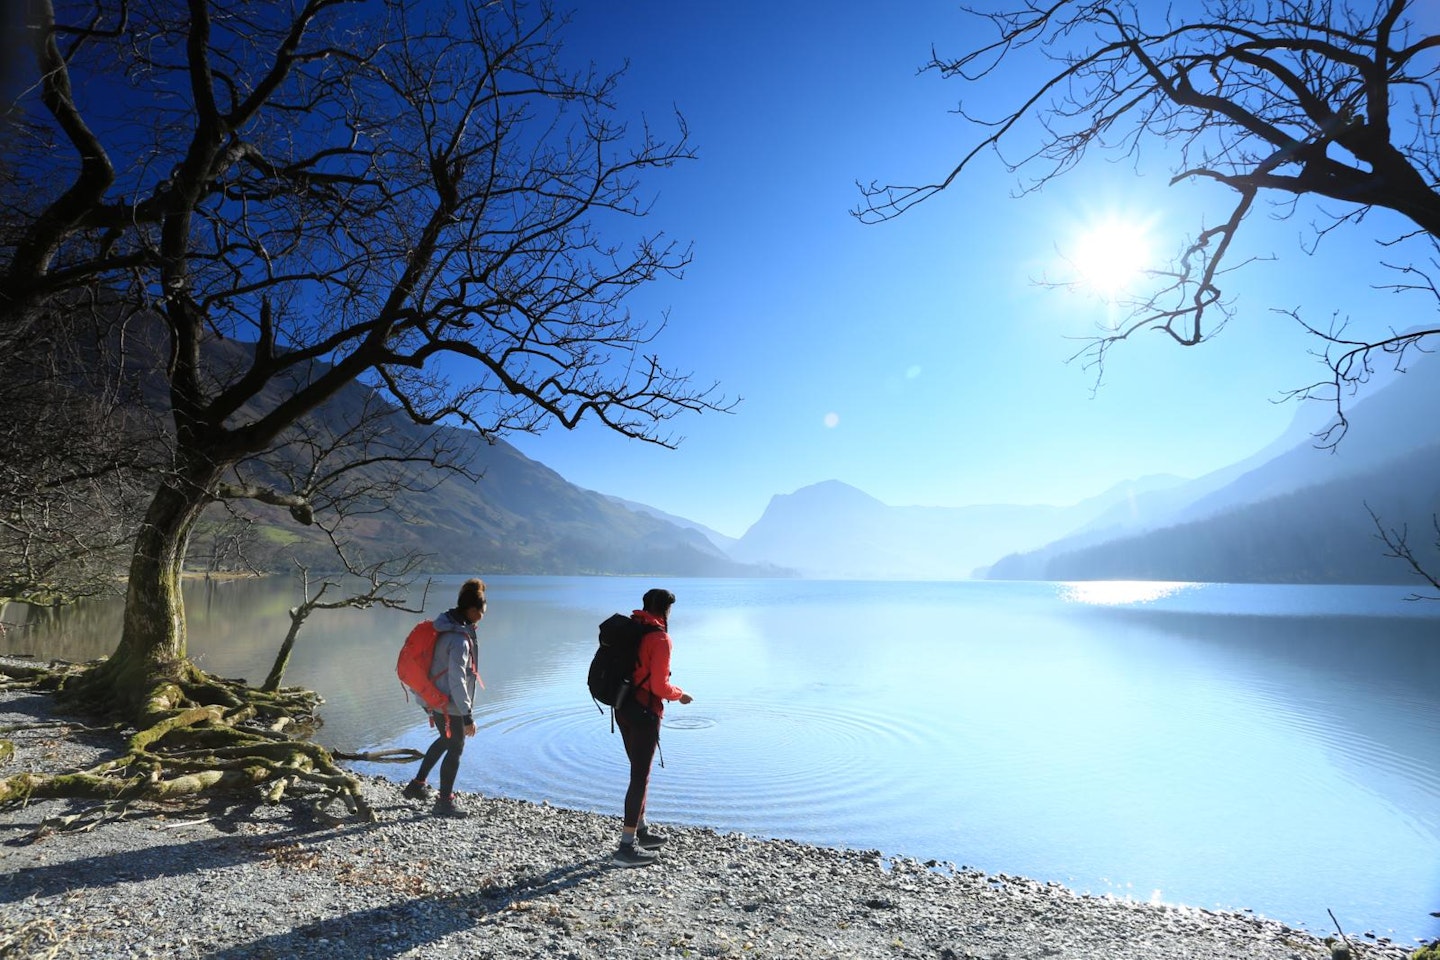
x: 1109, y: 256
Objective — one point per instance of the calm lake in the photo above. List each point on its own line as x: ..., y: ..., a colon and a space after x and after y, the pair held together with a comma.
x: 1275, y: 748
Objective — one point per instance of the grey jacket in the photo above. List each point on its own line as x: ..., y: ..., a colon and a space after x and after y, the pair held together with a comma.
x: 454, y: 667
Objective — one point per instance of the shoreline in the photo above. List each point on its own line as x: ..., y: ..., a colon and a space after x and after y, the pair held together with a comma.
x: 226, y: 877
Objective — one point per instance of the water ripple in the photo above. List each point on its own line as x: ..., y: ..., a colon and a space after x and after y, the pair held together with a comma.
x: 809, y: 756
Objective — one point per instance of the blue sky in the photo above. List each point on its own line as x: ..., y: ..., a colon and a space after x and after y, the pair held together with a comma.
x: 918, y: 360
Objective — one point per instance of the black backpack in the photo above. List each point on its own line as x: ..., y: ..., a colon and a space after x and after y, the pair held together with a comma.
x: 613, y: 666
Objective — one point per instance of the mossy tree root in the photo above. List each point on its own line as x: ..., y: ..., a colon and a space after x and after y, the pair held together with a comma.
x: 14, y: 676
x: 196, y: 733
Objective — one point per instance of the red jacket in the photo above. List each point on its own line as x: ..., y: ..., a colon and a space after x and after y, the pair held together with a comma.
x: 652, y: 673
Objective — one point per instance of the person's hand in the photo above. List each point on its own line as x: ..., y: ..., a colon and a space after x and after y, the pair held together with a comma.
x: 470, y: 729
x: 686, y: 698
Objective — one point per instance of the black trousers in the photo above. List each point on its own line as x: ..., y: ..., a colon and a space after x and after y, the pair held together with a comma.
x: 641, y: 732
x: 450, y: 744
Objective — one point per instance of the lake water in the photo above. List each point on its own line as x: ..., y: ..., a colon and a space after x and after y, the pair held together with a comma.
x: 1275, y: 748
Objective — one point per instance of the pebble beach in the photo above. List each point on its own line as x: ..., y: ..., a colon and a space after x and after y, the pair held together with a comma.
x: 229, y: 877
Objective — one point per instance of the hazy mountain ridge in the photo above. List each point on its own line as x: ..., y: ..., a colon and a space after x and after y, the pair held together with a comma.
x: 1293, y: 490
x: 1292, y: 512
x: 518, y: 517
x: 833, y: 530
x: 1319, y: 534
x: 720, y: 540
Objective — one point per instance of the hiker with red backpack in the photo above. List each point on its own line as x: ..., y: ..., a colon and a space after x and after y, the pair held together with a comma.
x: 454, y: 673
x: 638, y: 717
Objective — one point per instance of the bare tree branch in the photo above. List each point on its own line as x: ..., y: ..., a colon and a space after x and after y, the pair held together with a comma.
x: 426, y: 198
x: 1396, y: 540
x: 1277, y: 98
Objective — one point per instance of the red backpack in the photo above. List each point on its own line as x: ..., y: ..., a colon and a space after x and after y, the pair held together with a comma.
x: 413, y: 667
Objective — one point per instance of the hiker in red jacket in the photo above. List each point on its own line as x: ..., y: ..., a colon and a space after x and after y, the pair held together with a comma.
x: 639, y: 722
x: 455, y: 671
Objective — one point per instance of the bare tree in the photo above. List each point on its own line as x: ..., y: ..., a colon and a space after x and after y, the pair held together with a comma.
x: 425, y: 199
x: 385, y: 584
x: 422, y: 197
x: 226, y: 545
x: 1276, y: 99
x: 77, y: 449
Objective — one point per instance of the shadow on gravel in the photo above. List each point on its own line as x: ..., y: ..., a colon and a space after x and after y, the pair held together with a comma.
x: 151, y: 862
x: 392, y: 930
x: 37, y: 716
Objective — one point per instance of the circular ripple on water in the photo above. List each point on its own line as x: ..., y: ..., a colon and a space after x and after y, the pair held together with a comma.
x: 690, y: 722
x: 801, y: 762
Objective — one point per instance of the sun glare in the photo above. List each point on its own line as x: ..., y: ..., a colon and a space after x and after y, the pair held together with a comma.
x: 1111, y: 593
x: 1110, y: 257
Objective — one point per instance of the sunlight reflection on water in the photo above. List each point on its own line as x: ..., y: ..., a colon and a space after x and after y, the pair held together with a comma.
x: 1116, y: 592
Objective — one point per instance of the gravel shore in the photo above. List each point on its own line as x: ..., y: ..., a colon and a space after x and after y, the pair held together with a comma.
x: 229, y: 878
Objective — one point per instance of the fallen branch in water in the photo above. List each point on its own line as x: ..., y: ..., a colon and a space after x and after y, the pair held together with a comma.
x: 396, y: 755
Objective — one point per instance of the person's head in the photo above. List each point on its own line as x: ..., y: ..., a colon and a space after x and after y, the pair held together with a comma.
x: 471, y: 601
x: 658, y: 602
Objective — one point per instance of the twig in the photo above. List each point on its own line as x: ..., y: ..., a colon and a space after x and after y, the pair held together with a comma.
x: 1338, y: 927
x: 31, y: 937
x: 82, y: 822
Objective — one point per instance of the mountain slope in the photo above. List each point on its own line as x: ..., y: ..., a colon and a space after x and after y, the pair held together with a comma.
x: 1381, y: 460
x: 833, y: 530
x: 1320, y: 534
x: 519, y: 516
x: 1399, y: 416
x: 720, y: 540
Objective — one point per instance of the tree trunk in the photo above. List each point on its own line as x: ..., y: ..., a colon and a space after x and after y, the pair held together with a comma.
x: 282, y: 657
x: 153, y: 643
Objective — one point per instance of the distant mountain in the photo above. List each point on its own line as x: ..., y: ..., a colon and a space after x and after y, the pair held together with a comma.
x: 518, y: 517
x: 1292, y: 513
x: 1319, y: 534
x: 720, y: 540
x: 832, y: 530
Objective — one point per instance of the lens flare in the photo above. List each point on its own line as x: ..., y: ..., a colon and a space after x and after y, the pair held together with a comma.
x: 1110, y: 257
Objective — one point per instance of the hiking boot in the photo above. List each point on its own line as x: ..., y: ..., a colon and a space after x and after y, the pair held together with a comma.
x: 416, y: 790
x: 445, y: 807
x: 645, y: 837
x: 631, y: 855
